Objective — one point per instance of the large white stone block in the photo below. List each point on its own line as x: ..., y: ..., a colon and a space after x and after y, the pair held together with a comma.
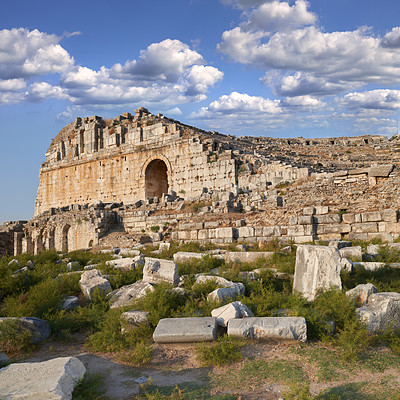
x: 48, y: 380
x: 157, y: 270
x: 317, y: 268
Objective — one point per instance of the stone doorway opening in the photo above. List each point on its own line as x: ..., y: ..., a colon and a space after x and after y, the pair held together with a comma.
x: 156, y: 179
x: 64, y: 239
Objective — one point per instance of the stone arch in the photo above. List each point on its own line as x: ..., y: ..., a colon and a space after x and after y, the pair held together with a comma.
x: 157, y: 176
x: 64, y: 238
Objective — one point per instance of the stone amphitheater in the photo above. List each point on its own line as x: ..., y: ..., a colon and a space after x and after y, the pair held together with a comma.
x: 149, y: 178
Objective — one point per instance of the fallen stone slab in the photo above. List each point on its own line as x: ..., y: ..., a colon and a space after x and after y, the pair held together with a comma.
x: 361, y: 293
x: 126, y: 294
x: 241, y: 256
x: 48, y: 380
x: 92, y: 280
x: 129, y: 252
x: 128, y: 263
x: 381, y: 170
x: 223, y: 294
x: 340, y: 244
x: 186, y: 330
x: 39, y: 328
x: 269, y: 327
x: 369, y: 266
x: 182, y: 256
x: 230, y: 311
x: 317, y: 268
x: 381, y: 312
x: 157, y: 270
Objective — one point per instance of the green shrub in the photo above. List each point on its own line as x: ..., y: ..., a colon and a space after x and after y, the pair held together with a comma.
x: 89, y: 388
x: 196, y: 266
x: 225, y: 351
x: 15, y: 340
x: 139, y: 354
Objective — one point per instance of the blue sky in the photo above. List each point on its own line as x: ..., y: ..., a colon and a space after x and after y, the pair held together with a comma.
x: 315, y: 68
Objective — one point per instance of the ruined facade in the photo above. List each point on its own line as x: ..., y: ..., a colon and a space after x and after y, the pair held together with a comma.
x: 148, y: 177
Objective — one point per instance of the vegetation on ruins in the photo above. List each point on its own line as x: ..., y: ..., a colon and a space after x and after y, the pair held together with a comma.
x: 339, y: 344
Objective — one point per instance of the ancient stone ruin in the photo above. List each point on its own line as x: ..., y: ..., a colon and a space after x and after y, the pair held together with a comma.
x: 149, y: 178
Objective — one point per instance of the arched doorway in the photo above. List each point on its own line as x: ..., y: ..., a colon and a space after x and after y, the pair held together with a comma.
x: 156, y: 178
x: 64, y: 238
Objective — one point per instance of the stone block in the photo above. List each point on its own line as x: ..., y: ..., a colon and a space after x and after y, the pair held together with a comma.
x: 203, y: 234
x: 305, y: 220
x: 328, y: 219
x: 70, y: 303
x: 390, y: 215
x: 367, y: 227
x: 240, y: 256
x: 53, y: 379
x: 348, y: 218
x: 369, y: 266
x: 225, y: 293
x: 317, y: 267
x: 322, y: 210
x: 157, y: 270
x: 296, y: 230
x: 304, y: 239
x: 182, y: 256
x: 127, y: 264
x: 381, y: 312
x: 186, y: 330
x: 229, y: 311
x: 92, y: 280
x: 361, y: 293
x: 340, y: 244
x: 224, y: 233
x: 269, y: 327
x: 135, y: 317
x: 245, y: 232
x: 211, y: 224
x: 271, y: 231
x: 392, y: 227
x: 308, y: 211
x: 381, y: 171
x: 355, y: 253
x: 373, y: 216
x: 357, y: 236
x: 126, y: 294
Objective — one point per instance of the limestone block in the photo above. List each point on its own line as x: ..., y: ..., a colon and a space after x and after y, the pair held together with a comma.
x: 130, y: 252
x: 349, y: 218
x: 373, y: 216
x: 203, y: 234
x: 317, y: 267
x: 381, y: 171
x: 225, y: 293
x: 127, y: 264
x: 357, y: 236
x: 334, y: 228
x: 266, y: 327
x: 182, y: 256
x: 296, y: 230
x: 224, y: 233
x: 308, y: 211
x: 184, y: 235
x: 367, y: 227
x: 328, y: 219
x: 232, y: 310
x: 39, y: 328
x: 186, y: 330
x: 126, y: 294
x: 355, y: 253
x: 157, y: 270
x: 240, y: 256
x: 303, y: 239
x: 381, y: 312
x: 220, y: 282
x: 270, y: 231
x: 92, y: 280
x: 305, y: 220
x: 373, y: 249
x: 72, y: 265
x: 51, y: 380
x: 390, y: 215
x: 361, y: 293
x: 322, y: 210
x: 211, y: 224
x: 245, y: 232
x: 392, y: 227
x: 369, y: 266
x: 135, y: 317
